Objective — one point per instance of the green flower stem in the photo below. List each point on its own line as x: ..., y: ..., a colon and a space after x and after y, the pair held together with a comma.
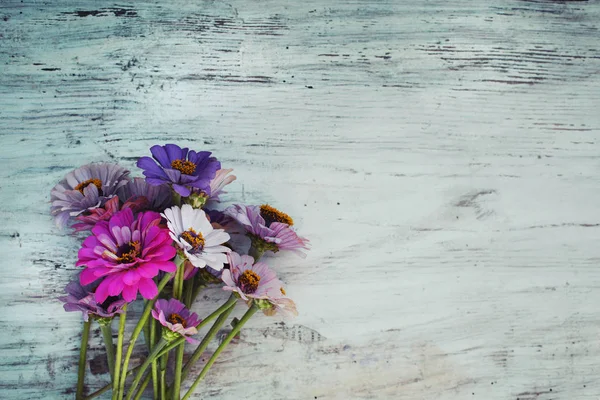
x: 159, y: 346
x: 107, y: 387
x: 110, y: 348
x: 178, y: 282
x: 226, y: 341
x: 178, y: 366
x: 170, y: 347
x: 222, y: 312
x: 188, y: 292
x: 154, y: 365
x: 82, y: 358
x: 147, y: 333
x: 136, y: 333
x: 197, y: 291
x: 122, y: 318
x: 131, y: 371
x: 163, y: 381
x: 178, y: 294
x: 145, y: 383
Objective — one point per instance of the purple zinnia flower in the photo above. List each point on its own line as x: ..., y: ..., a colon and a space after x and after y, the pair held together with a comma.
x: 84, y: 189
x: 155, y: 198
x: 183, y: 168
x: 256, y: 283
x: 173, y: 315
x: 127, y: 253
x: 81, y: 298
x: 268, y: 228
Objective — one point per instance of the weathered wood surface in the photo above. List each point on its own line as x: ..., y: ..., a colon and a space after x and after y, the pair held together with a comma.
x: 441, y: 155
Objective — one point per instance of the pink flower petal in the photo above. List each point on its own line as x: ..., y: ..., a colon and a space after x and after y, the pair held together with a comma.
x: 148, y: 288
x: 129, y: 293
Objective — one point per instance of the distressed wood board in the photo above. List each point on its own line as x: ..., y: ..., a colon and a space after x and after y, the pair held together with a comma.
x: 442, y: 156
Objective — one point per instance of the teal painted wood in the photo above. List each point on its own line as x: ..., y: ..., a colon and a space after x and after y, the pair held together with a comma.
x: 442, y: 157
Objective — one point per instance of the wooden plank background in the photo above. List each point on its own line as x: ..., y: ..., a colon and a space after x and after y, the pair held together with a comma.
x: 442, y: 156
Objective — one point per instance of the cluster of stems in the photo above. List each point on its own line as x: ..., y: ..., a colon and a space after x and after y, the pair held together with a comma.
x: 153, y: 369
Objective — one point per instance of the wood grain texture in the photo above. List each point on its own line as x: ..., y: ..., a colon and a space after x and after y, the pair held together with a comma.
x: 442, y: 156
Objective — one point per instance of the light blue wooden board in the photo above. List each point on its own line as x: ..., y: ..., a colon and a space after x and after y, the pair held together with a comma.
x: 442, y: 156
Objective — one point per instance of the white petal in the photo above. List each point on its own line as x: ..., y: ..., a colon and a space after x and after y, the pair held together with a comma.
x: 216, y: 237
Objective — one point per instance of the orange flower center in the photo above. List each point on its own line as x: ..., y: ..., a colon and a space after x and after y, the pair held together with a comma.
x: 184, y: 166
x: 271, y: 214
x: 177, y: 319
x: 194, y: 238
x: 128, y: 252
x: 84, y: 184
x: 249, y: 281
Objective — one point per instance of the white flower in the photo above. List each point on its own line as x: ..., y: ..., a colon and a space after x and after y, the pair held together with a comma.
x: 193, y: 233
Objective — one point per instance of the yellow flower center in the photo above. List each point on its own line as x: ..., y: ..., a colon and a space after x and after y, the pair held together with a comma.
x: 84, y: 184
x: 177, y: 319
x: 184, y: 166
x: 248, y: 281
x: 194, y: 238
x: 128, y: 252
x: 271, y: 214
x: 282, y: 291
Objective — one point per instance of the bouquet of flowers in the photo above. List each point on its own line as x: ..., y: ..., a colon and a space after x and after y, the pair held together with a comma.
x: 162, y: 239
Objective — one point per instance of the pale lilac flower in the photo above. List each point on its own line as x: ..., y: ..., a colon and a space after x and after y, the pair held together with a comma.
x: 221, y: 179
x: 184, y: 169
x: 268, y: 228
x: 195, y: 236
x: 173, y: 315
x: 256, y: 283
x: 84, y: 189
x: 81, y: 298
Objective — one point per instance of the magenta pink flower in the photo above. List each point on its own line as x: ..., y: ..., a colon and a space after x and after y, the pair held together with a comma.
x: 256, y: 283
x: 173, y: 315
x: 268, y: 228
x: 127, y: 253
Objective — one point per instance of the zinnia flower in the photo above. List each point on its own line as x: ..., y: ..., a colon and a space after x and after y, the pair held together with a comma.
x: 81, y: 298
x: 173, y: 315
x: 221, y: 179
x: 84, y: 189
x: 256, y: 283
x: 268, y: 228
x: 183, y: 168
x: 153, y: 198
x: 193, y: 233
x: 127, y: 253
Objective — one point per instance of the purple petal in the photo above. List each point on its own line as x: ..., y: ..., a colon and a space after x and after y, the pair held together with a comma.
x: 159, y: 153
x: 175, y: 152
x: 182, y: 190
x: 151, y: 169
